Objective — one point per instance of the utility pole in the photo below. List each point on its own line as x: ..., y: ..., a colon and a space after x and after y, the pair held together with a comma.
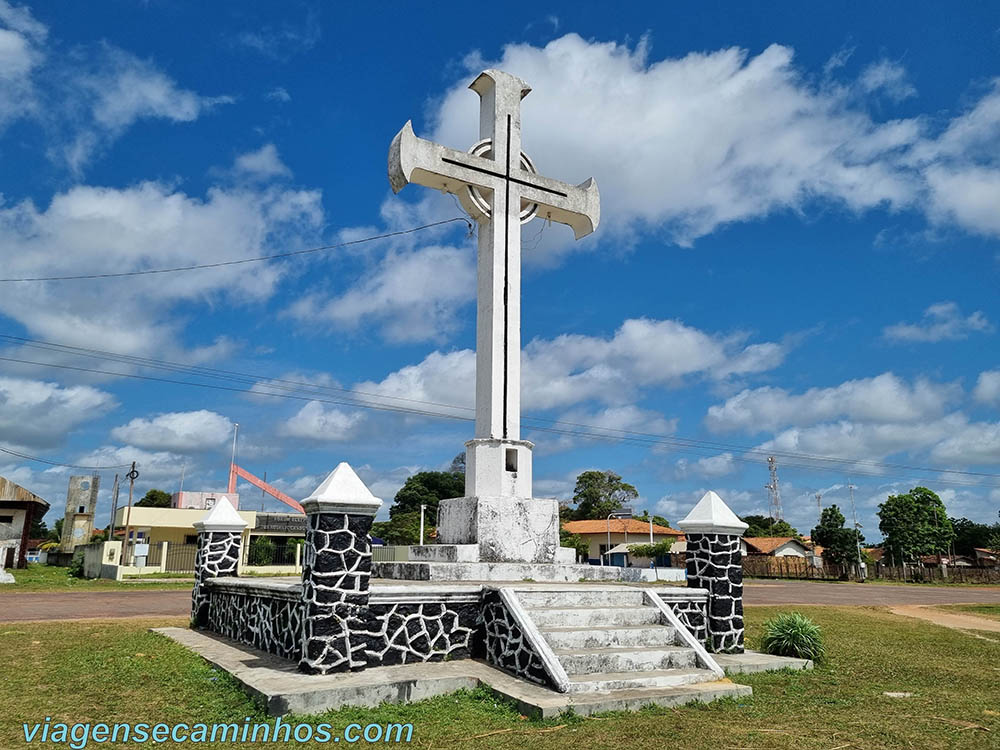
x: 132, y: 476
x: 854, y: 513
x: 114, y: 509
x: 774, y: 493
x: 183, y: 469
x: 819, y: 502
x: 236, y: 432
x: 422, y: 509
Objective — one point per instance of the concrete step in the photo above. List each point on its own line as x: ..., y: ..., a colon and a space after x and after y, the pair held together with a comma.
x: 582, y: 597
x: 585, y: 704
x: 603, y: 682
x: 635, y: 636
x: 613, y: 660
x: 588, y: 617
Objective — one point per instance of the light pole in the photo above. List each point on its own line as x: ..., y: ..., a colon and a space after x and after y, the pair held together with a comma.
x: 857, y: 540
x: 422, y: 509
x: 623, y: 514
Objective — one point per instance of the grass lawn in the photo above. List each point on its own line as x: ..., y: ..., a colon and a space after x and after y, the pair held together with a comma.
x: 50, y: 578
x: 117, y: 671
x: 992, y: 611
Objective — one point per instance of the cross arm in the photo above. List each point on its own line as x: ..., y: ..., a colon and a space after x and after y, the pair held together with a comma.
x: 413, y: 159
x: 577, y: 206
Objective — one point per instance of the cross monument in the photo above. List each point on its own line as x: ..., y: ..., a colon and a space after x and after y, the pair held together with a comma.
x: 498, y: 185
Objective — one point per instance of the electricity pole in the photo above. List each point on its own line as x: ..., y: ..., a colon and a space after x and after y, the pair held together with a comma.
x: 854, y: 513
x: 132, y: 476
x: 114, y: 509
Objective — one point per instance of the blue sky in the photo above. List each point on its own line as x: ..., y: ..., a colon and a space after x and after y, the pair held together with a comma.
x: 799, y: 249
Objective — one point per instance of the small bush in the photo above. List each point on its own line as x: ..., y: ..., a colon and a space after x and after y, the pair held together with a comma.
x: 793, y: 634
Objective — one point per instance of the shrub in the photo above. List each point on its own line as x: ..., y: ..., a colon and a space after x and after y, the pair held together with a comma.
x: 793, y: 634
x: 75, y: 568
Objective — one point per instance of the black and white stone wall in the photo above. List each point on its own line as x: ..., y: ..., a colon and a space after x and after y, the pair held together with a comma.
x: 714, y: 563
x: 504, y: 644
x: 401, y: 633
x: 261, y: 620
x: 218, y: 555
x: 693, y: 615
x: 335, y: 577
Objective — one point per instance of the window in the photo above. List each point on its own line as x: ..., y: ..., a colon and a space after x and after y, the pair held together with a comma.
x: 82, y: 509
x: 6, y: 519
x: 190, y: 539
x: 85, y: 485
x: 209, y: 502
x: 511, y: 454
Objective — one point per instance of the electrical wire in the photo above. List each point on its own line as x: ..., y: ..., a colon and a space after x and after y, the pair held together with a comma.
x: 57, y: 463
x: 308, y: 392
x: 239, y: 261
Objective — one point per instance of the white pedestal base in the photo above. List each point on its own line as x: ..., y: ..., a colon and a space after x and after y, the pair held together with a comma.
x: 503, y: 529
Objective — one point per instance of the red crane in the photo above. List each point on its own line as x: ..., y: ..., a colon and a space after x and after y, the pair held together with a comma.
x: 239, y: 471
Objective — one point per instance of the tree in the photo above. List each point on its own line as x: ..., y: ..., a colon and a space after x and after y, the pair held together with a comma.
x: 458, y: 464
x: 655, y: 551
x: 261, y: 551
x: 658, y: 520
x: 599, y: 493
x: 840, y: 545
x: 425, y: 488
x: 38, y: 529
x: 154, y: 499
x: 914, y: 524
x: 969, y: 535
x: 55, y: 534
x: 767, y: 526
x: 577, y: 542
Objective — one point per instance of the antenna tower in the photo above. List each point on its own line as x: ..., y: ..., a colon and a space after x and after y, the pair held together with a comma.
x: 773, y: 491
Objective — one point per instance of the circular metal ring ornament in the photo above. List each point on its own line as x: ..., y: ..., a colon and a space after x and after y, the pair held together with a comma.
x: 484, y: 148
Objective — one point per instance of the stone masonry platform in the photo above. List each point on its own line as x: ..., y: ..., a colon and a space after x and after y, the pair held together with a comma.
x: 282, y: 689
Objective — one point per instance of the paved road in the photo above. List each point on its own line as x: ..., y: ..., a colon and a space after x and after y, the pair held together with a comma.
x: 78, y: 605
x: 103, y: 604
x: 865, y: 594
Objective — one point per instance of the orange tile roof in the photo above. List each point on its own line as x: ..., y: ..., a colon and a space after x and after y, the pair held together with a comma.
x: 765, y: 545
x: 617, y: 525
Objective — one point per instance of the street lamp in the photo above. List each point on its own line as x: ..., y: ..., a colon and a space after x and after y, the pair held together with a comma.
x: 623, y: 514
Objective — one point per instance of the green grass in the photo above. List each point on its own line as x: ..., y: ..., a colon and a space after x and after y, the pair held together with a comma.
x: 992, y: 611
x: 50, y: 578
x: 117, y: 671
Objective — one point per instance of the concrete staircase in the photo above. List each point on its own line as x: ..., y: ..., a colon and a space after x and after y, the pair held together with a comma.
x: 615, y: 640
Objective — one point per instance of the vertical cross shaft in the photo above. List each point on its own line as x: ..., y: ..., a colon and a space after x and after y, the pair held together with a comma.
x: 498, y: 330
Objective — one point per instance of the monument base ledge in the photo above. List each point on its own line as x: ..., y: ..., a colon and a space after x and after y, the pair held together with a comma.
x: 494, y: 572
x: 504, y: 529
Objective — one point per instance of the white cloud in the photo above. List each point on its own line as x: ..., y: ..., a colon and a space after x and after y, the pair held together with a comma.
x: 410, y: 295
x: 865, y: 441
x: 710, y: 467
x: 973, y: 444
x: 314, y: 421
x: 93, y: 230
x: 21, y: 52
x: 572, y: 369
x: 180, y: 432
x: 264, y: 163
x: 688, y: 144
x: 885, y: 398
x: 40, y: 414
x: 278, y: 94
x: 987, y: 388
x: 941, y: 322
x: 888, y: 77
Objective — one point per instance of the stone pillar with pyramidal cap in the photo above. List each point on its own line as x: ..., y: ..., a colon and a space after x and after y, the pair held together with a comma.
x: 220, y: 533
x: 714, y: 562
x: 335, y: 573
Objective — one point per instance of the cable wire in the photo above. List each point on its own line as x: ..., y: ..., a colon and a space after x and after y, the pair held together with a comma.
x: 57, y: 463
x: 240, y: 261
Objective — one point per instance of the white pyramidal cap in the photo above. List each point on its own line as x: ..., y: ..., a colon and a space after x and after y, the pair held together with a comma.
x: 342, y: 492
x: 223, y: 517
x: 712, y: 516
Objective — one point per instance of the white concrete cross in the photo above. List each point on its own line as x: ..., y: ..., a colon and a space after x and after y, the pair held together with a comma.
x: 500, y: 187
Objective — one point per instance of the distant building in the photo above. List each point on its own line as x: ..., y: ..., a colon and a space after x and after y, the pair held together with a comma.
x: 203, y: 500
x: 19, y: 508
x: 773, y: 546
x: 986, y: 558
x: 603, y: 536
x: 81, y: 504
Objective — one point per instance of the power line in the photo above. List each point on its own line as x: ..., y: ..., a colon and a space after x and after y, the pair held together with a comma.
x: 57, y: 463
x: 239, y: 261
x: 372, y: 400
x: 681, y: 445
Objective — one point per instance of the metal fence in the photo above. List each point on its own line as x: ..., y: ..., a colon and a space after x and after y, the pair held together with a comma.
x: 265, y: 552
x: 180, y: 557
x: 390, y: 553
